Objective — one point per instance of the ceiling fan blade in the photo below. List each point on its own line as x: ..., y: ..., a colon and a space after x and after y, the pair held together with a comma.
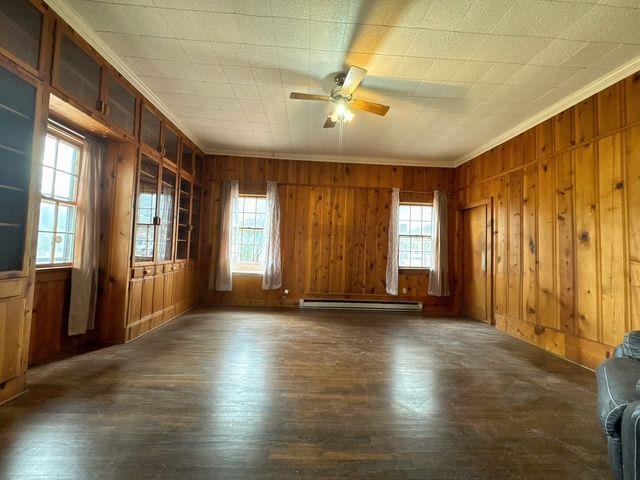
x: 309, y: 96
x: 329, y: 123
x: 354, y: 77
x: 371, y: 107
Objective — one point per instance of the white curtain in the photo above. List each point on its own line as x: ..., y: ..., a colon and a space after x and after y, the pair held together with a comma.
x: 84, y: 275
x: 224, y: 277
x: 392, y: 252
x: 272, y: 278
x: 439, y: 274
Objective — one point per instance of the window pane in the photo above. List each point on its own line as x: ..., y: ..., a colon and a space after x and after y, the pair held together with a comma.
x: 47, y: 216
x: 426, y: 228
x: 67, y: 158
x: 250, y: 204
x: 45, y: 245
x: 404, y: 259
x: 47, y: 181
x: 405, y: 212
x: 247, y: 236
x: 64, y: 187
x: 416, y: 244
x: 416, y: 228
x: 63, y: 252
x: 66, y: 219
x: 403, y: 228
x: 261, y: 220
x: 405, y: 244
x: 249, y: 220
x: 50, y: 151
x: 246, y: 253
x: 416, y: 213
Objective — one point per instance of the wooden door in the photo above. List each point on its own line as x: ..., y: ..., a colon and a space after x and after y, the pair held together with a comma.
x: 475, y: 289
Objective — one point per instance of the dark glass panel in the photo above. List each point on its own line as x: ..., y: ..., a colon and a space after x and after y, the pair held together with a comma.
x: 79, y: 74
x: 20, y: 30
x: 150, y: 128
x: 122, y: 107
x: 17, y: 109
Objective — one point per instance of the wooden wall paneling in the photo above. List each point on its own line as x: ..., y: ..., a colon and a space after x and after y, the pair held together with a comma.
x: 515, y: 152
x: 514, y: 298
x: 371, y: 238
x: 358, y: 253
x: 609, y: 108
x: 587, y: 239
x: 632, y: 189
x: 11, y: 337
x: 302, y: 227
x: 49, y: 313
x: 565, y: 241
x: 544, y: 138
x: 585, y: 120
x: 547, y: 313
x: 135, y: 301
x: 564, y: 130
x: 530, y: 145
x: 118, y: 192
x: 382, y: 240
x: 167, y: 294
x: 632, y: 164
x: 613, y: 286
x: 158, y: 298
x: 501, y: 227
x: 632, y: 98
x: 146, y: 307
x: 530, y: 244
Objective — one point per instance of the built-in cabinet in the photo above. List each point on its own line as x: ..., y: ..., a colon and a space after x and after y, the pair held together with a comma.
x: 142, y: 281
x: 20, y: 110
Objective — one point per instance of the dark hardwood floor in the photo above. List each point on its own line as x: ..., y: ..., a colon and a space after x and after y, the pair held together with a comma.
x: 239, y: 394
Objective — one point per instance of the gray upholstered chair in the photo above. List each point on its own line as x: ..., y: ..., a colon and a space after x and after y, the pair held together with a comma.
x: 619, y: 407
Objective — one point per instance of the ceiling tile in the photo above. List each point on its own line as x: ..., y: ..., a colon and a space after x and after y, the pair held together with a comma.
x: 429, y: 43
x: 291, y: 32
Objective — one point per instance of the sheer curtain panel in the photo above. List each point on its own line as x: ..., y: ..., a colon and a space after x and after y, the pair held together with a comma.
x: 439, y: 274
x: 84, y: 274
x: 224, y: 277
x: 272, y: 278
x: 392, y: 252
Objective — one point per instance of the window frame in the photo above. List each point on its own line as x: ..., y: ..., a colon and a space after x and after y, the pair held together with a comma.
x: 408, y: 268
x: 244, y: 268
x: 78, y: 142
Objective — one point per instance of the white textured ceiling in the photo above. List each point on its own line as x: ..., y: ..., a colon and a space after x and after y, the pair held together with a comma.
x: 456, y: 73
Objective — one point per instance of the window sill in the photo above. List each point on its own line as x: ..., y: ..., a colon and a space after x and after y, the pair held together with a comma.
x: 413, y: 270
x: 51, y: 268
x: 246, y: 273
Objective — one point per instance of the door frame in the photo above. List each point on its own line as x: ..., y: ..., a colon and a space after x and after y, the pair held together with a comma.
x: 490, y: 233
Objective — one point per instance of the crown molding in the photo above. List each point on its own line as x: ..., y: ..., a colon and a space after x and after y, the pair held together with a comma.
x: 406, y: 162
x: 589, y: 90
x: 75, y: 21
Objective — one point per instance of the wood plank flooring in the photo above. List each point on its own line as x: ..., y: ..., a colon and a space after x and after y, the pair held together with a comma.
x: 244, y: 394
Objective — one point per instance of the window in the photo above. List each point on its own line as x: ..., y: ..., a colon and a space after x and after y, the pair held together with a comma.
x: 247, y: 241
x: 57, y: 225
x: 414, y: 229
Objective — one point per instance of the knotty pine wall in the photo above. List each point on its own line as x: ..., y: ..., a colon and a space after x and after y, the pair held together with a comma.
x: 566, y: 233
x: 334, y: 228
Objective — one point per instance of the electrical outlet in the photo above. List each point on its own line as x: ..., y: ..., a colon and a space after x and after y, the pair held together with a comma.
x: 404, y: 291
x: 286, y: 292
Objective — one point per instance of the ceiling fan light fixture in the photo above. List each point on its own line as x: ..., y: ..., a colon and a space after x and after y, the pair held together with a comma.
x: 342, y: 114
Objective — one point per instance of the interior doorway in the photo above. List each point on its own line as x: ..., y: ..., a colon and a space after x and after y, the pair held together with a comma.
x: 476, y: 291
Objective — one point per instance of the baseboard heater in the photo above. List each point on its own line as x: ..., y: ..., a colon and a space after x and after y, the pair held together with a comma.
x: 360, y: 305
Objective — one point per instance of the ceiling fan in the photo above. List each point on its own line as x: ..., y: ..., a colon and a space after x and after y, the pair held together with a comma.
x: 342, y: 97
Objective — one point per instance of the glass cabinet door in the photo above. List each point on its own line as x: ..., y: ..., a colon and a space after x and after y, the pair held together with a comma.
x: 195, y: 222
x: 17, y: 111
x: 166, y: 214
x: 21, y: 30
x: 171, y: 145
x: 184, y: 207
x: 121, y: 106
x: 78, y: 74
x: 146, y: 218
x: 150, y: 133
x: 187, y: 158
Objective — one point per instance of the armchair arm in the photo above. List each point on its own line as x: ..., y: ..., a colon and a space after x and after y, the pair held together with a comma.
x: 616, y: 379
x: 630, y: 435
